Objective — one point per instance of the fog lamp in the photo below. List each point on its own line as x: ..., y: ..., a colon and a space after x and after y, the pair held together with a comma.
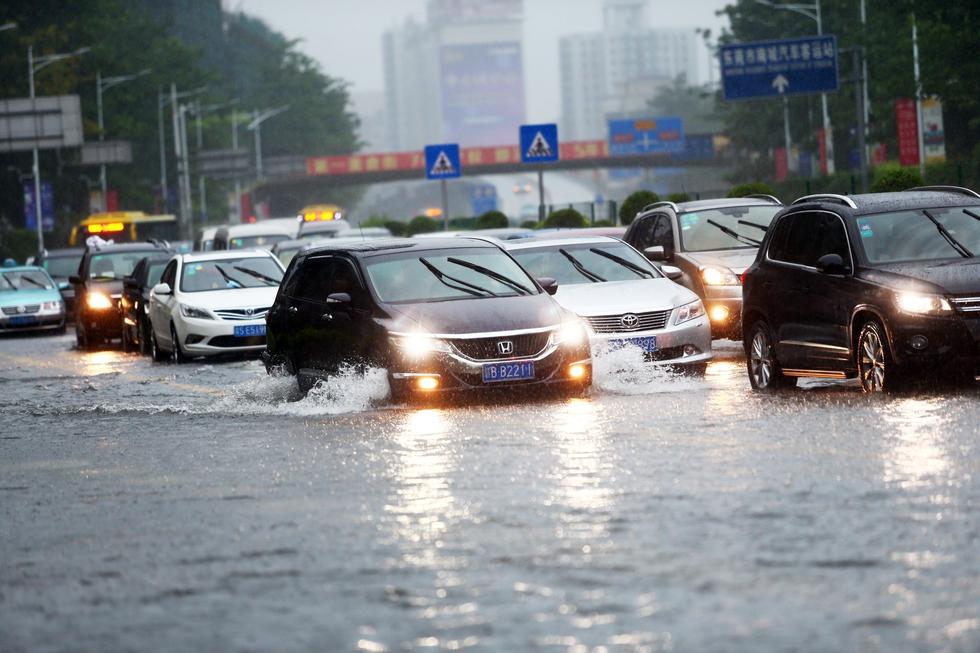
x: 719, y: 313
x: 691, y: 350
x: 919, y: 342
x: 427, y: 383
x: 577, y: 371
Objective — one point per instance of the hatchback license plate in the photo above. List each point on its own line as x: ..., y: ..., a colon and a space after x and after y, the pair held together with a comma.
x: 249, y: 330
x: 516, y: 371
x: 645, y: 343
x: 23, y: 320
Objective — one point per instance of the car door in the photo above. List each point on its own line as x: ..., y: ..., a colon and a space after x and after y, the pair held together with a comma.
x: 786, y: 286
x: 348, y: 323
x: 160, y: 305
x: 308, y: 342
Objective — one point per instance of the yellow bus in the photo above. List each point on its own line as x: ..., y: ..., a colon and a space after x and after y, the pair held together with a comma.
x: 124, y: 227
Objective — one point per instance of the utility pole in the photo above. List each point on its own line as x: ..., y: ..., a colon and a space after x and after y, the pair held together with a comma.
x: 163, y: 100
x: 858, y: 57
x: 918, y: 96
x: 101, y: 86
x: 259, y: 117
x: 238, y: 182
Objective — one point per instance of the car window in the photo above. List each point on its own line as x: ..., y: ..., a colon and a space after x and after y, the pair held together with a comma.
x: 802, y: 238
x: 642, y: 236
x: 114, y: 265
x: 62, y: 266
x: 25, y: 280
x: 154, y: 274
x: 266, y: 240
x: 702, y: 231
x: 312, y: 281
x: 585, y: 263
x: 230, y: 274
x: 912, y: 236
x: 663, y: 234
x: 169, y: 274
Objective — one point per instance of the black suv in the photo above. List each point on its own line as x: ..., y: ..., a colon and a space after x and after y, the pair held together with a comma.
x: 98, y: 288
x: 134, y: 305
x: 440, y: 315
x: 712, y: 242
x: 885, y: 287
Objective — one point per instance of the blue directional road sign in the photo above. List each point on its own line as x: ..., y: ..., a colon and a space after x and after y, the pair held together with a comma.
x: 442, y: 161
x: 764, y: 69
x: 646, y: 136
x: 539, y: 143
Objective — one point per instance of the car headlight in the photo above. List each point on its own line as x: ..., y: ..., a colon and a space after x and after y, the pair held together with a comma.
x: 199, y: 313
x: 716, y: 276
x: 922, y: 304
x: 98, y: 301
x: 51, y: 306
x: 688, y: 312
x: 419, y: 345
x: 570, y: 334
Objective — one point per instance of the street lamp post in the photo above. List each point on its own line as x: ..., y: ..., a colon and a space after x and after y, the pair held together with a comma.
x: 163, y: 99
x: 259, y: 117
x: 199, y: 110
x: 35, y: 64
x: 101, y: 86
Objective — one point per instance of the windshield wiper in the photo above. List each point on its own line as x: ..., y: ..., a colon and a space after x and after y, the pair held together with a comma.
x: 458, y: 284
x: 228, y: 277
x: 632, y: 267
x: 944, y: 232
x: 747, y: 223
x: 496, y: 276
x: 734, y: 234
x: 581, y: 269
x: 971, y: 214
x: 36, y: 283
x: 257, y: 275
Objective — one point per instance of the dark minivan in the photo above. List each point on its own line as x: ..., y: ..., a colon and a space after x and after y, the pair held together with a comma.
x: 441, y: 315
x: 884, y: 287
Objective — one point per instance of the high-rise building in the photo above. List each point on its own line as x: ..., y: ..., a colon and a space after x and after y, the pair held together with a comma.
x: 457, y: 78
x: 614, y: 72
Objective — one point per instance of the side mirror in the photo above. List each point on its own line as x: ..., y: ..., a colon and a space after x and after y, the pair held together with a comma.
x: 550, y: 285
x: 672, y: 272
x: 75, y: 280
x: 655, y: 253
x: 832, y: 264
x: 338, y: 298
x: 162, y: 289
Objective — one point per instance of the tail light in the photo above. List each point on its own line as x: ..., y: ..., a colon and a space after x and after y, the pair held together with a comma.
x: 744, y: 277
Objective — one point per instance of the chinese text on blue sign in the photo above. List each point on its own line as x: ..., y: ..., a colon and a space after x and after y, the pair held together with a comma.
x: 775, y: 68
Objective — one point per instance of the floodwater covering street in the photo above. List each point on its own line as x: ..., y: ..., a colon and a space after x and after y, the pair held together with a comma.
x: 205, y: 507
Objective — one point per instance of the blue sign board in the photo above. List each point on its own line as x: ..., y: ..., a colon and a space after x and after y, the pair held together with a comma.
x: 483, y: 198
x: 539, y: 143
x: 765, y: 69
x: 47, y: 206
x: 442, y: 161
x: 646, y: 136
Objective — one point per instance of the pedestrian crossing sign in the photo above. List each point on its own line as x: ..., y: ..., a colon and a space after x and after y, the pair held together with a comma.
x: 442, y: 161
x: 539, y: 143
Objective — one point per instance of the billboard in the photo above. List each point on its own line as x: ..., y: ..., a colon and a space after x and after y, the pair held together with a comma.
x: 44, y: 122
x: 646, y: 136
x: 933, y: 135
x: 906, y: 121
x: 47, y: 205
x: 482, y: 92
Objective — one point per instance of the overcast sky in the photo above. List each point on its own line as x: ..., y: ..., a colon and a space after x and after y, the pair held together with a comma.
x: 345, y: 35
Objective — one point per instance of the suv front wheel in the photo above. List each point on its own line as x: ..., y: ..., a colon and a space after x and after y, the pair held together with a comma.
x: 765, y: 374
x: 876, y: 367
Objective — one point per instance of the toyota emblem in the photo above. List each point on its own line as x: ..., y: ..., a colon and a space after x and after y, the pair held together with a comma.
x: 629, y: 321
x: 505, y: 347
x: 21, y: 309
x: 249, y: 311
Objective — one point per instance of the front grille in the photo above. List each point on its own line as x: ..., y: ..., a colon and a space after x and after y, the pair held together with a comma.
x: 523, y: 345
x: 240, y: 314
x: 968, y: 305
x: 614, y: 323
x: 235, y: 341
x: 28, y: 310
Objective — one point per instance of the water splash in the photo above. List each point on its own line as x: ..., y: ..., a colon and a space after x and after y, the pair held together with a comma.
x: 624, y: 371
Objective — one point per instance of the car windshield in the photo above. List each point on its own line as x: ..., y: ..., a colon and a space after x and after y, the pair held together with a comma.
x: 245, y: 242
x: 115, y: 265
x: 586, y: 263
x: 230, y: 274
x: 443, y: 275
x: 734, y: 227
x: 913, y: 236
x: 25, y: 280
x: 62, y: 266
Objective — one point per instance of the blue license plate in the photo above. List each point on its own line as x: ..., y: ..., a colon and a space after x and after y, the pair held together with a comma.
x: 645, y: 343
x: 516, y: 371
x: 23, y: 320
x: 249, y: 330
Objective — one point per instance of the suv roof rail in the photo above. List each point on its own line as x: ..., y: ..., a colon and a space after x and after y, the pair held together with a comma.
x: 947, y: 189
x: 158, y: 242
x: 662, y: 203
x: 827, y: 197
x: 763, y: 196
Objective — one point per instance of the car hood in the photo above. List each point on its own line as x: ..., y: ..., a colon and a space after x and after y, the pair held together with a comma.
x: 735, y: 259
x: 26, y: 297
x: 617, y: 297
x: 958, y: 277
x: 232, y: 298
x: 477, y: 315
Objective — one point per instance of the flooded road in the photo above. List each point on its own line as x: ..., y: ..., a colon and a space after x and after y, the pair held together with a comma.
x: 204, y: 507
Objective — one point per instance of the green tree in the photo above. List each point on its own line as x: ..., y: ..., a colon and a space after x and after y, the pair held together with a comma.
x: 892, y: 178
x: 421, y: 224
x: 530, y: 224
x: 565, y: 219
x: 678, y: 197
x: 751, y: 188
x: 696, y: 105
x: 492, y: 220
x: 634, y: 204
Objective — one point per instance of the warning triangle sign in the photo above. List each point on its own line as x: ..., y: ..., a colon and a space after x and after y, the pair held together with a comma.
x: 442, y: 166
x: 539, y: 147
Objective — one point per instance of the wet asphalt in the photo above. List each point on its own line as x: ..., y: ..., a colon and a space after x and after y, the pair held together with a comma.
x: 207, y: 507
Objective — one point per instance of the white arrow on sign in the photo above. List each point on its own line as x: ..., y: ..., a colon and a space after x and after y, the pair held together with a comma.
x: 780, y: 84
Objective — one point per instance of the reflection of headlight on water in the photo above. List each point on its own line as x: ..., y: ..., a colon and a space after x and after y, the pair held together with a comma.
x: 419, y: 345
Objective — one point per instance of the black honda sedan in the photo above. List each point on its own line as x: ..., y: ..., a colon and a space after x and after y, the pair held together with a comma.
x: 441, y: 315
x: 884, y: 287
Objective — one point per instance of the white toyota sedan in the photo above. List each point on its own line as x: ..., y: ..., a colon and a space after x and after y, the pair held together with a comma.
x: 623, y: 299
x: 211, y: 303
